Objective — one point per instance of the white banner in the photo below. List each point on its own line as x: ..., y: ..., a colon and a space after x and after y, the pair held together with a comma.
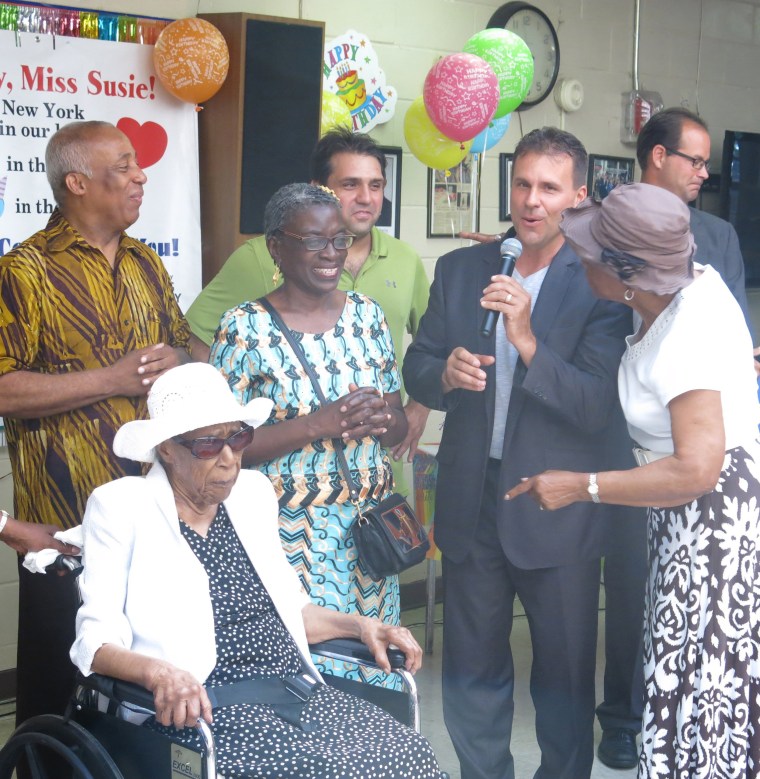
x: 46, y: 82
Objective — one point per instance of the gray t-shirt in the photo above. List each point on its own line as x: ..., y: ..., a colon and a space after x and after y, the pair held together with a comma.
x: 506, y: 360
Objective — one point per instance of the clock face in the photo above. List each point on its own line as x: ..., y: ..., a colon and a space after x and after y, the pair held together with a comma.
x: 537, y: 31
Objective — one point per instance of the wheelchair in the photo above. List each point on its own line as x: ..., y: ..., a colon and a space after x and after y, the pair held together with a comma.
x: 93, y: 742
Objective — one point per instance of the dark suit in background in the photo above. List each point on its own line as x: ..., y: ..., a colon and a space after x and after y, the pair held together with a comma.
x: 494, y: 550
x: 718, y: 245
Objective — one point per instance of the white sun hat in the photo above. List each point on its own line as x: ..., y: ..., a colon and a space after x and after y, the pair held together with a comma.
x: 185, y: 398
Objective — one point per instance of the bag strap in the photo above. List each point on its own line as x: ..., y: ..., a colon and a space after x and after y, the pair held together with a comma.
x: 301, y: 355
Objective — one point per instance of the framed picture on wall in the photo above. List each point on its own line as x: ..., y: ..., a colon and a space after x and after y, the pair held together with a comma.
x: 451, y: 202
x: 391, y: 211
x: 505, y: 185
x: 606, y: 173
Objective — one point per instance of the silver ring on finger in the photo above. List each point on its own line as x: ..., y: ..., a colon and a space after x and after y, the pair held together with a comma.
x: 508, y: 298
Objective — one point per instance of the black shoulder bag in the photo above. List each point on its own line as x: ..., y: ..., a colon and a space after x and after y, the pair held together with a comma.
x: 388, y: 538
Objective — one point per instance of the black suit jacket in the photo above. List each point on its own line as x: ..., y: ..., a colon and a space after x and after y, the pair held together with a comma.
x: 558, y: 412
x: 718, y: 245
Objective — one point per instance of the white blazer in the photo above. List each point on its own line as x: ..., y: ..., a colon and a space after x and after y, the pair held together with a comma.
x: 144, y: 589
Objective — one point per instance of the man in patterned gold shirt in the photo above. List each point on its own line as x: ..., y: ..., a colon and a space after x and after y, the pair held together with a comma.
x: 88, y: 320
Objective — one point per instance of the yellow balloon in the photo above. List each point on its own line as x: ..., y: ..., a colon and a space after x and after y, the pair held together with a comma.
x: 335, y: 113
x: 426, y: 142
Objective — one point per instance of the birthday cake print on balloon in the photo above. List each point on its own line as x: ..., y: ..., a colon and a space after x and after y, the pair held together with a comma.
x: 352, y: 72
x: 351, y: 89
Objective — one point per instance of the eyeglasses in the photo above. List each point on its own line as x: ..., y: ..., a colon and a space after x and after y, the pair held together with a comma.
x: 626, y: 265
x: 696, y: 162
x: 207, y: 447
x: 315, y: 243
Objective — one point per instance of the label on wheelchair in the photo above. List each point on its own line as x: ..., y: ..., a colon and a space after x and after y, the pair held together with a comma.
x: 186, y: 763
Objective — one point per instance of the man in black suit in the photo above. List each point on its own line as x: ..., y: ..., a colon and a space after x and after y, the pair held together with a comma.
x: 538, y: 393
x: 673, y: 150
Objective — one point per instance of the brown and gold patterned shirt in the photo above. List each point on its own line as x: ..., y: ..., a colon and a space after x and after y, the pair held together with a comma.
x: 64, y: 309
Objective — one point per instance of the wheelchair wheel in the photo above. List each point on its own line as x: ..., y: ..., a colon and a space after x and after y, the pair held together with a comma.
x: 49, y: 744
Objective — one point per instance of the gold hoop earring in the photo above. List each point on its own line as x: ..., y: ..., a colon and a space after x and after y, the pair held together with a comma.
x: 276, y: 275
x: 628, y: 294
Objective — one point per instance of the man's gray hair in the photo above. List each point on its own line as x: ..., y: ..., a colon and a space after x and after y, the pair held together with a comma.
x: 290, y: 200
x: 67, y: 152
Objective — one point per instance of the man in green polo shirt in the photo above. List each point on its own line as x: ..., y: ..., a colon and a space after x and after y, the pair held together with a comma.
x: 382, y: 267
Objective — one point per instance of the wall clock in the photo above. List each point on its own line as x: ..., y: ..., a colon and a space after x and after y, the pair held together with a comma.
x: 535, y: 28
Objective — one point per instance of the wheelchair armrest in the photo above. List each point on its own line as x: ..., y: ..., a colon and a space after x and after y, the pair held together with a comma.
x: 351, y: 649
x: 118, y: 690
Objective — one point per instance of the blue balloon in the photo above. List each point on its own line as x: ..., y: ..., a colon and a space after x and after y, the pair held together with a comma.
x: 2, y: 207
x: 489, y: 137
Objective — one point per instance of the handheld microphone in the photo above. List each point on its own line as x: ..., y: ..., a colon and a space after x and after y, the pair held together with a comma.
x: 510, y: 251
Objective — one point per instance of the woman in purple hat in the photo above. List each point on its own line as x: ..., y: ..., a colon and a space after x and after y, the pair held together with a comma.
x: 689, y: 392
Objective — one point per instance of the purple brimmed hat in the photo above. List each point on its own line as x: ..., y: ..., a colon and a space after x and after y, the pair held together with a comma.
x: 640, y: 232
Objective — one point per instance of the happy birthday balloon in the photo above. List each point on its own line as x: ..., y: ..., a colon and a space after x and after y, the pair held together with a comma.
x: 191, y: 59
x: 461, y: 94
x: 427, y: 143
x: 488, y: 138
x: 511, y: 61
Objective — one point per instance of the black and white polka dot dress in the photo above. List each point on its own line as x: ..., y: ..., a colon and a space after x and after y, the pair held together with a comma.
x: 352, y: 739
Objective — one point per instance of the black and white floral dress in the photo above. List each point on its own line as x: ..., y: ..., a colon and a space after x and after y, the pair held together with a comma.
x: 352, y: 739
x: 702, y: 633
x: 702, y: 614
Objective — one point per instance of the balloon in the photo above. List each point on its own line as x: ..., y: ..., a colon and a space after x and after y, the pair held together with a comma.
x: 461, y: 93
x: 511, y: 60
x: 191, y: 59
x: 427, y: 144
x: 488, y: 138
x: 335, y: 112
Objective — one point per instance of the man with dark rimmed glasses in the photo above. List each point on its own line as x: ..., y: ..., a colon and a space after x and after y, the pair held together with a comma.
x: 673, y: 151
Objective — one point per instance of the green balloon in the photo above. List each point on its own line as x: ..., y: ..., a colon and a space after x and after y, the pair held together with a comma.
x: 511, y: 60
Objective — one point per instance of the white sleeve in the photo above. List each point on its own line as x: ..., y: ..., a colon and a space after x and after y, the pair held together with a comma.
x: 108, y: 540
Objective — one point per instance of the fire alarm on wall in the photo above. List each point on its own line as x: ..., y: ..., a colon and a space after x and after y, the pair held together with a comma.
x: 638, y: 108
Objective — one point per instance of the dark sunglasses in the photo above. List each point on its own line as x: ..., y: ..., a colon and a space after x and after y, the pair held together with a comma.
x: 207, y: 447
x: 626, y: 265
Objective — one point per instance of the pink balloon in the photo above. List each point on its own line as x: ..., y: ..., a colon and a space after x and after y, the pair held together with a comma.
x: 461, y: 95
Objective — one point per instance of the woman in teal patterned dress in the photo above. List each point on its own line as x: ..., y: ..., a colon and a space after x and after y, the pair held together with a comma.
x: 347, y: 341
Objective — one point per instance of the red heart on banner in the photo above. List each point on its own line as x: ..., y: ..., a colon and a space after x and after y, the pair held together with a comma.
x: 149, y: 140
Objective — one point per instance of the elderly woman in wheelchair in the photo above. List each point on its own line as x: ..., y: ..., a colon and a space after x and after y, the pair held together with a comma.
x: 187, y: 592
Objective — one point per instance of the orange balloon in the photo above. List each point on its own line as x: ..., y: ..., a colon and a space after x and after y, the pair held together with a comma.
x: 191, y: 59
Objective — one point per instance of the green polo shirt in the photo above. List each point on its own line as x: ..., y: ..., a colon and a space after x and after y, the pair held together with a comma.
x: 392, y: 275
